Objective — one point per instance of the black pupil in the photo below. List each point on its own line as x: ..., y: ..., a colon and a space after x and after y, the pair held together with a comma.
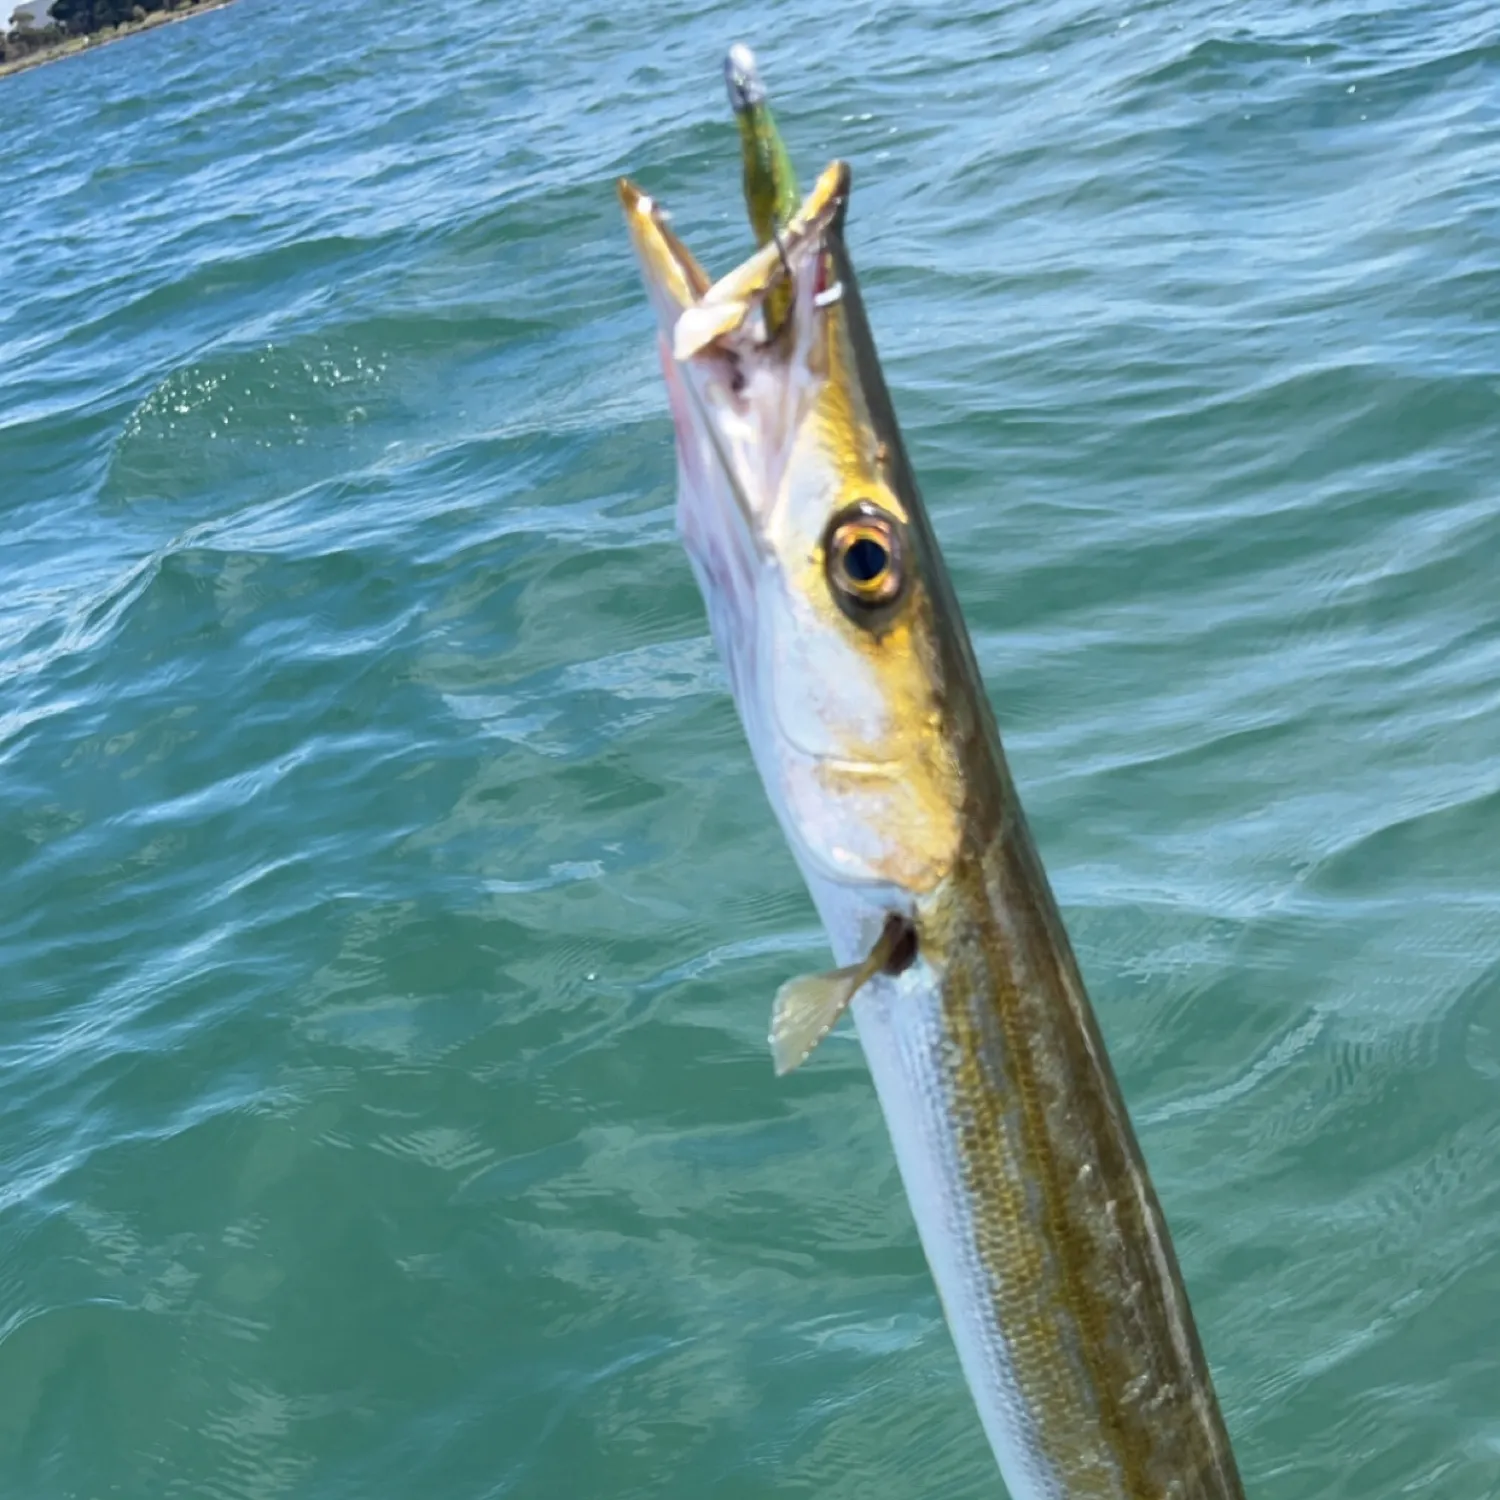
x: 866, y: 560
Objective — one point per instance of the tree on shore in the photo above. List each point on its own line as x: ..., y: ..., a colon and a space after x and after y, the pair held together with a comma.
x: 25, y: 39
x: 83, y: 16
x: 76, y: 18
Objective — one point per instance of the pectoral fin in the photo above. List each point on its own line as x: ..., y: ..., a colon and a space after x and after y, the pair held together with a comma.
x: 805, y: 1011
x: 807, y: 1008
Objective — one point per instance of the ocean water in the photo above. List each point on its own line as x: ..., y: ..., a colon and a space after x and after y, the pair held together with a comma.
x: 389, y: 912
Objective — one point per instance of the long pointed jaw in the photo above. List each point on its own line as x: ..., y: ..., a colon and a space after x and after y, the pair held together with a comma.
x: 680, y: 288
x: 746, y: 360
x: 751, y: 367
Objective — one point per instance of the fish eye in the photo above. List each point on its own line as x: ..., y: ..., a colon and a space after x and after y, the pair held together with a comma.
x: 863, y: 558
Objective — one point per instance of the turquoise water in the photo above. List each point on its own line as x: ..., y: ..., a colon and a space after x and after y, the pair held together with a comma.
x: 389, y: 913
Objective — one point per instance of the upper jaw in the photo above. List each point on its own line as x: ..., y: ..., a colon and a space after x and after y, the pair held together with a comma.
x: 695, y: 314
x: 674, y: 279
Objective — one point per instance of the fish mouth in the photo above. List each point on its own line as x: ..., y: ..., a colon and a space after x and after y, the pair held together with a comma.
x: 694, y: 312
x: 745, y: 359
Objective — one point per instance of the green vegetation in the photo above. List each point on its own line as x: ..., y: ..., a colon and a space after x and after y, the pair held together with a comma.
x: 83, y: 16
x: 24, y: 41
x: 76, y: 24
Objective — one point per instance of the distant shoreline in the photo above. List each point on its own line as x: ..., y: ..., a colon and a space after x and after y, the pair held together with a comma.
x: 73, y: 46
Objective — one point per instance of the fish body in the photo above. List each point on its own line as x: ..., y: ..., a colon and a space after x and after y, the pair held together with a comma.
x: 863, y: 705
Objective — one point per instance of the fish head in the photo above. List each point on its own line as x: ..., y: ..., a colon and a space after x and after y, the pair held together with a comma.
x: 825, y: 592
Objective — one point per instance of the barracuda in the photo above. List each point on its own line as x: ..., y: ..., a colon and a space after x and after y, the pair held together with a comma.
x: 858, y: 690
